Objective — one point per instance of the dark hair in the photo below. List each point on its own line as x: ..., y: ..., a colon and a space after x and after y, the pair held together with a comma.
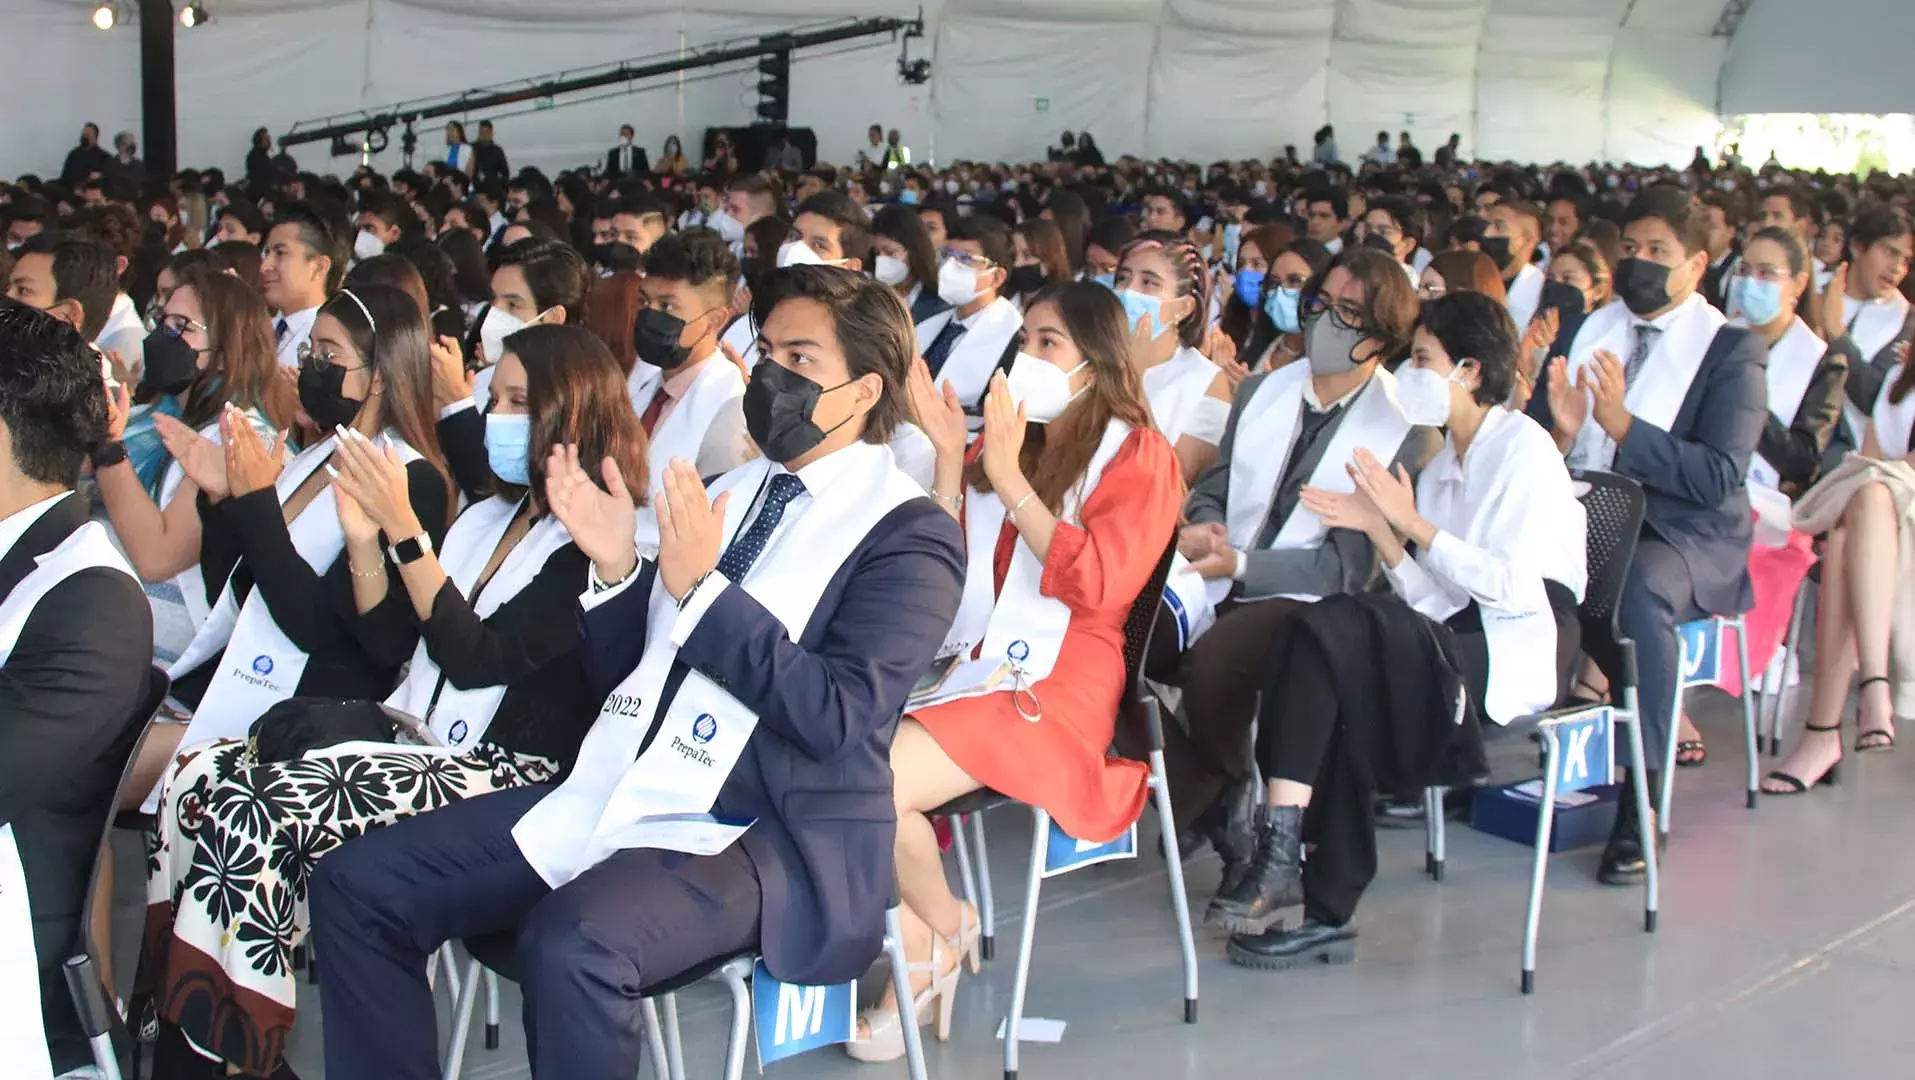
x: 697, y: 256
x: 1390, y: 305
x: 1472, y: 326
x: 1174, y: 198
x: 1338, y: 199
x: 1469, y: 271
x: 1792, y: 247
x: 1407, y: 215
x: 874, y: 331
x: 987, y: 233
x: 1193, y: 280
x: 390, y: 269
x: 1046, y: 241
x: 1523, y: 209
x: 533, y: 183
x: 1675, y: 208
x: 1597, y: 264
x: 399, y: 355
x: 1113, y: 234
x: 1465, y: 229
x: 247, y: 215
x: 436, y: 271
x: 854, y: 228
x: 1800, y: 205
x: 576, y: 396
x: 556, y: 274
x: 901, y: 223
x: 390, y: 208
x: 51, y: 396
x: 469, y: 278
x: 239, y: 333
x: 34, y: 208
x: 1873, y: 225
x: 768, y: 233
x: 1056, y: 455
x: 82, y: 272
x: 324, y: 232
x: 460, y: 128
x: 1071, y: 214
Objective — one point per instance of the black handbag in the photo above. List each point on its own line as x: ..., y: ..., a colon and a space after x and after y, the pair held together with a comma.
x: 289, y: 729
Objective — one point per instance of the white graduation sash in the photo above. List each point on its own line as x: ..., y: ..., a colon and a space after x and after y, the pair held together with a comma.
x: 1018, y: 624
x: 1174, y: 387
x: 1269, y: 421
x: 681, y: 433
x: 967, y: 369
x: 1871, y: 326
x: 1524, y: 296
x: 616, y: 798
x: 1892, y: 420
x: 928, y: 329
x: 1662, y: 384
x: 460, y: 717
x: 259, y: 666
x: 1792, y: 363
x: 742, y: 336
x: 23, y: 1038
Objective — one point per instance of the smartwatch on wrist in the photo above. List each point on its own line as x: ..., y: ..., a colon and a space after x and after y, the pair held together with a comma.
x: 411, y: 551
x: 108, y: 454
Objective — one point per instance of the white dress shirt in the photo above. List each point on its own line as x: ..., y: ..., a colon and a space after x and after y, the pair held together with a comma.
x: 299, y: 330
x: 16, y: 524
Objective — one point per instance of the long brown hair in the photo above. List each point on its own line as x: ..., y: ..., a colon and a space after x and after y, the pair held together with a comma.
x: 1470, y: 271
x: 576, y: 395
x: 1056, y: 455
x: 610, y: 310
x: 1046, y: 241
x: 398, y: 354
x: 239, y: 331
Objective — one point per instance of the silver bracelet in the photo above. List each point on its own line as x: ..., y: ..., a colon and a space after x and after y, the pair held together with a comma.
x: 369, y: 574
x: 953, y: 501
x: 1028, y: 496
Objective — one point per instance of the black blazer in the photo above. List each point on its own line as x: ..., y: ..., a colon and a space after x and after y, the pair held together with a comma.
x: 1800, y: 450
x: 1695, y: 473
x: 640, y: 163
x: 816, y: 773
x: 67, y: 693
x: 349, y: 656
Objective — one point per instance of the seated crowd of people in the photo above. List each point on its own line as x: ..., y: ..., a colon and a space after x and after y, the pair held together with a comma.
x: 638, y: 562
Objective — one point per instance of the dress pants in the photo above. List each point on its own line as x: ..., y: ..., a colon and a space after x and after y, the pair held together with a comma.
x: 382, y: 903
x: 1658, y: 596
x: 1221, y: 676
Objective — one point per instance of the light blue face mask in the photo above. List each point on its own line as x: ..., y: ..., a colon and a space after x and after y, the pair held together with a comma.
x: 508, y: 443
x: 1108, y: 281
x: 1281, y: 306
x: 1140, y: 306
x: 908, y: 197
x: 1758, y: 301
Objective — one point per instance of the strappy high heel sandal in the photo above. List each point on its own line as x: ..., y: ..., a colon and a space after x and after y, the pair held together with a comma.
x: 1868, y: 742
x: 884, y: 1028
x: 1796, y: 786
x: 970, y: 934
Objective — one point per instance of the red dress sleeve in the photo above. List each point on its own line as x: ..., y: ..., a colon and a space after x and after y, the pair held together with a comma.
x: 1127, y: 522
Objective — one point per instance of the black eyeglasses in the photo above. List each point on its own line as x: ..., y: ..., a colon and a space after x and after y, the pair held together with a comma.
x: 1347, y: 313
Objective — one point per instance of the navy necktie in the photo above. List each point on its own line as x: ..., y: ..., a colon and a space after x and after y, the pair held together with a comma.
x: 749, y: 544
x: 941, y: 346
x: 279, y: 330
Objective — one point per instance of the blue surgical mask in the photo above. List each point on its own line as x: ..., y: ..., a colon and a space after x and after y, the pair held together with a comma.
x: 1140, y: 306
x: 1758, y: 301
x: 1108, y: 281
x: 1281, y: 306
x: 508, y: 441
x: 908, y: 197
x: 1249, y: 286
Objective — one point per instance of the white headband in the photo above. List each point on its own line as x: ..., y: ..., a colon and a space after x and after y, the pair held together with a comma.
x: 370, y: 321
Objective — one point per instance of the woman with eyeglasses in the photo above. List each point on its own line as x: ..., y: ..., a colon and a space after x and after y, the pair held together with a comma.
x: 1164, y: 286
x: 1068, y: 500
x: 1460, y: 271
x: 1275, y: 335
x: 211, y: 350
x: 497, y: 677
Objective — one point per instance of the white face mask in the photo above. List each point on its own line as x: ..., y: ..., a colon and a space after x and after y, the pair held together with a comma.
x: 798, y: 253
x: 1043, y: 388
x: 1424, y: 396
x: 365, y: 246
x: 951, y: 187
x: 891, y: 271
x: 725, y: 226
x: 957, y: 283
x: 499, y: 324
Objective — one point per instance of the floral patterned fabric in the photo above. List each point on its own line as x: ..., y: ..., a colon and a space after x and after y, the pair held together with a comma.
x: 230, y: 858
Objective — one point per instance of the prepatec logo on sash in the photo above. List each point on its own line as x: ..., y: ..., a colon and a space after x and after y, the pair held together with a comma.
x: 262, y: 665
x: 705, y: 728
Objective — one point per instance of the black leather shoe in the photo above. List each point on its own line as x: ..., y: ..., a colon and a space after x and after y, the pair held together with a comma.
x: 1271, y: 882
x: 1279, y: 949
x: 1233, y: 831
x: 1622, y: 857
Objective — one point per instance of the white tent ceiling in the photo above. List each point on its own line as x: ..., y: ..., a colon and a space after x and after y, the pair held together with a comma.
x: 1522, y: 79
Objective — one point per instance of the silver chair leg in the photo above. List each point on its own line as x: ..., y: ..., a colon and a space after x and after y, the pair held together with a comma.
x: 733, y: 975
x: 987, y: 908
x: 1638, y: 771
x: 967, y: 877
x: 1040, y: 828
x: 674, y: 1045
x: 1179, y: 900
x: 654, y: 1039
x: 1436, y: 829
x: 491, y: 1009
x: 1539, y: 861
x: 462, y: 1020
x: 1751, y: 739
x: 1789, y: 645
x: 1668, y: 792
x: 901, y: 985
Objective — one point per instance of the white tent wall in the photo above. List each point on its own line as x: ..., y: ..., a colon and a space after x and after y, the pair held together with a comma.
x: 1201, y: 79
x: 1831, y: 56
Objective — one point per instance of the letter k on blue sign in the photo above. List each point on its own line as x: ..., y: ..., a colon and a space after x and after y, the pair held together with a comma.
x: 1585, y: 757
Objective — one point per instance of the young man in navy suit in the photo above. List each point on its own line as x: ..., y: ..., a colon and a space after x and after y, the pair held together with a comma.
x: 1658, y: 388
x: 735, y: 792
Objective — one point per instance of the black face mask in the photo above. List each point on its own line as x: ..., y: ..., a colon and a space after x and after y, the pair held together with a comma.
x: 747, y: 268
x: 1380, y: 243
x: 617, y: 256
x: 1567, y: 300
x: 322, y: 399
x: 1643, y: 285
x: 1497, y: 248
x: 655, y: 337
x: 778, y: 405
x: 1026, y: 279
x: 170, y: 363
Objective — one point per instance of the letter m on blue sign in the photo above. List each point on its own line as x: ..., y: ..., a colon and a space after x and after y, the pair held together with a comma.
x: 792, y: 1019
x: 1585, y: 757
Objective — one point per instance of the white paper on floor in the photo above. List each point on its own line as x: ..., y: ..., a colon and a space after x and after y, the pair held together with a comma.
x: 1035, y: 1029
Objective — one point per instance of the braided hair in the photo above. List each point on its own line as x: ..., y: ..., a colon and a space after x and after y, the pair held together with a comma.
x: 1193, y: 278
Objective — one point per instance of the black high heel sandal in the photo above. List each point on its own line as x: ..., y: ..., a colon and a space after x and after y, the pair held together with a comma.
x: 1796, y: 786
x: 1881, y: 739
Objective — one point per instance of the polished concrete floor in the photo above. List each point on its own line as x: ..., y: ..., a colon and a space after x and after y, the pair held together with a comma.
x: 1786, y: 949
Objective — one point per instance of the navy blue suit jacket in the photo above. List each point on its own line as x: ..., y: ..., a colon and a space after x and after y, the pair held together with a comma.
x: 928, y: 303
x: 816, y: 773
x: 1694, y: 473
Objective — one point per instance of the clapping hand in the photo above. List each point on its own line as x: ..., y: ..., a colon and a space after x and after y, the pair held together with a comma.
x: 1338, y: 510
x: 1834, y: 304
x: 691, y: 529
x: 1568, y: 405
x: 1392, y: 493
x: 451, y: 382
x: 1604, y: 378
x: 199, y: 457
x: 374, y: 478
x: 250, y: 466
x: 1003, y: 435
x: 602, y: 521
x: 119, y: 405
x: 937, y: 411
x: 1207, y: 546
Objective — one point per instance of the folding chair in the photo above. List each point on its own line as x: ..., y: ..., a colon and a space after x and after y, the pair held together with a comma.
x: 1790, y: 645
x: 99, y: 1018
x: 1691, y: 637
x: 495, y: 956
x: 1614, y: 508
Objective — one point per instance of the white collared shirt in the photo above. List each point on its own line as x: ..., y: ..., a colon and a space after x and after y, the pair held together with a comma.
x: 16, y: 524
x: 1661, y: 322
x: 299, y: 330
x: 1525, y: 295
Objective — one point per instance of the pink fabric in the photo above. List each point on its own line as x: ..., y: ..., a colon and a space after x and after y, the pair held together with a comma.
x: 1776, y: 574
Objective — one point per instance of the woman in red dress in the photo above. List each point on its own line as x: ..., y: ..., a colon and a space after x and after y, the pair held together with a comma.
x: 1068, y: 500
